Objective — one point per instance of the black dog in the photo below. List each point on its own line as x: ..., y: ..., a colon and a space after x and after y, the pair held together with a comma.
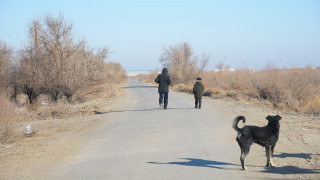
x: 266, y: 136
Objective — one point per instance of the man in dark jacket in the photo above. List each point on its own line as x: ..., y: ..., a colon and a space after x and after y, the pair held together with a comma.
x: 164, y: 81
x: 197, y: 91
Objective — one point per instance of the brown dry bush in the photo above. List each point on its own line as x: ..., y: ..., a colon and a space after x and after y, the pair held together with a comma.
x: 312, y: 106
x: 150, y: 78
x: 294, y: 89
x: 183, y: 87
x: 227, y: 80
x: 55, y: 65
x: 114, y: 73
x: 8, y: 119
x: 184, y: 67
x: 6, y: 55
x: 288, y: 89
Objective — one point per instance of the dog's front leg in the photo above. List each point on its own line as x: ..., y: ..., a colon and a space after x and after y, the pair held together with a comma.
x: 271, y: 156
x: 268, y: 156
x: 269, y: 153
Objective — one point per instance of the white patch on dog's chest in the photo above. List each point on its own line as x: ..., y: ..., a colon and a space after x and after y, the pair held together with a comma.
x: 239, y: 135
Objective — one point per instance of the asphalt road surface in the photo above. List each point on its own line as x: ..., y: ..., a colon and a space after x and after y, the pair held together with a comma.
x: 141, y: 142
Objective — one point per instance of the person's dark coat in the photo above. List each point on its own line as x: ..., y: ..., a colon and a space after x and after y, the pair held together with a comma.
x: 163, y: 80
x: 198, y: 90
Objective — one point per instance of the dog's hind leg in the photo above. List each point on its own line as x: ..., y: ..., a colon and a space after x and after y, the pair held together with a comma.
x: 242, y: 157
x: 244, y: 153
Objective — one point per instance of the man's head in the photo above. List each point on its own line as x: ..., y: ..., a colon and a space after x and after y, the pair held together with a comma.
x: 164, y: 71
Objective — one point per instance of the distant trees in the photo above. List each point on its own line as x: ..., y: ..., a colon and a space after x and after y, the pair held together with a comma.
x: 183, y: 64
x: 221, y: 65
x: 56, y: 65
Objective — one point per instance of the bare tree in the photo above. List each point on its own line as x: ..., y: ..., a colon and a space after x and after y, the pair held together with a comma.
x: 183, y: 64
x: 221, y: 65
x: 5, y: 63
x: 48, y: 63
x: 54, y: 64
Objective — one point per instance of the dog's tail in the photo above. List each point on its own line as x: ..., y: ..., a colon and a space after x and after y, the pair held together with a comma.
x: 235, y: 123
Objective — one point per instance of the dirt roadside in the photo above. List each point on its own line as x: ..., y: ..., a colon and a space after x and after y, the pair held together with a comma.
x: 53, y: 141
x: 298, y: 146
x: 297, y: 153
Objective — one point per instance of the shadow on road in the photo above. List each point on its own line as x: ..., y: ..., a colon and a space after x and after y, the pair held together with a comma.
x: 294, y: 155
x: 201, y: 163
x: 138, y: 110
x: 129, y: 87
x: 290, y: 170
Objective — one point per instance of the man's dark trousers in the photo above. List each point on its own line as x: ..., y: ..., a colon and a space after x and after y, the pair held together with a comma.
x: 163, y: 97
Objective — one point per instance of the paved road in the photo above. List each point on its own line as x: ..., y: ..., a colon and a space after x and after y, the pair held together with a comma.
x: 141, y: 142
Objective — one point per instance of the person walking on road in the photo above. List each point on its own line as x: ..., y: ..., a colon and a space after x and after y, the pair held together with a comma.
x: 164, y: 81
x: 197, y: 91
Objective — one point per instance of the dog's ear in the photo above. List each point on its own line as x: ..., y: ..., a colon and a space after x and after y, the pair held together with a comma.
x: 268, y: 117
x: 278, y: 117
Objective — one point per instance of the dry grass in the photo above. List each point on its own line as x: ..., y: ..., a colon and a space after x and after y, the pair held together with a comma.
x: 84, y: 104
x: 13, y: 116
x: 289, y: 89
x: 148, y: 77
x: 183, y: 88
x: 312, y: 107
x: 9, y: 118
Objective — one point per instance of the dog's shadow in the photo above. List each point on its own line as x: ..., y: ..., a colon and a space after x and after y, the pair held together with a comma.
x: 201, y: 163
x: 290, y: 170
x: 294, y: 155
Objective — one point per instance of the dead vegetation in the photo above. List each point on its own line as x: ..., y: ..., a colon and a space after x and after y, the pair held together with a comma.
x: 184, y: 65
x: 291, y: 89
x: 295, y: 89
x: 54, y: 73
x: 8, y: 118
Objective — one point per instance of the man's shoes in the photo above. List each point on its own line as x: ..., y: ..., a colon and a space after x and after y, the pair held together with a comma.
x: 165, y: 107
x: 196, y: 107
x: 161, y: 106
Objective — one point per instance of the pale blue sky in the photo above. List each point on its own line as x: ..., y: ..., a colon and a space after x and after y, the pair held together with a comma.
x: 251, y: 33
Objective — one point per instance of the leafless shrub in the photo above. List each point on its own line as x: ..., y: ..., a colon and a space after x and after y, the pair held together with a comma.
x: 52, y: 65
x: 183, y: 88
x: 55, y: 65
x: 8, y: 119
x: 6, y: 54
x: 183, y: 65
x: 295, y: 89
x: 148, y: 77
x: 221, y: 65
x: 114, y: 73
x: 288, y: 89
